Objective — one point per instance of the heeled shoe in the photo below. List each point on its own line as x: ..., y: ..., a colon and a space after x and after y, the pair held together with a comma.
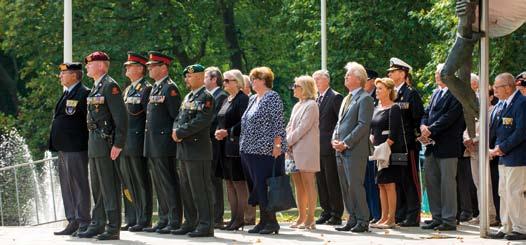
x: 227, y: 225
x: 375, y: 225
x: 311, y: 226
x: 385, y: 226
x: 295, y: 225
x: 270, y: 228
x: 235, y: 227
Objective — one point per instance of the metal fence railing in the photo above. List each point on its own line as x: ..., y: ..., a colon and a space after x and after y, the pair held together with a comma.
x: 37, y: 217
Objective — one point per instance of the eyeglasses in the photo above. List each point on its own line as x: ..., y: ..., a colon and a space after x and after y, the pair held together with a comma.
x: 252, y: 79
x: 227, y: 80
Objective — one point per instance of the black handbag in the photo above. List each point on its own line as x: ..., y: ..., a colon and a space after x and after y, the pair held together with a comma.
x: 232, y: 145
x: 399, y: 159
x: 279, y: 192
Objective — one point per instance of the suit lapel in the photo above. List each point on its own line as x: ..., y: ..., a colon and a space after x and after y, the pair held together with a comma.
x: 328, y: 96
x: 354, y: 99
x: 508, y: 107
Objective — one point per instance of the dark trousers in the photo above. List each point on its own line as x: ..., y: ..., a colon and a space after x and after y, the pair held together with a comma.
x: 217, y: 184
x: 73, y: 177
x: 371, y: 190
x: 465, y: 188
x: 197, y: 195
x: 408, y: 191
x: 106, y: 188
x: 494, y: 172
x: 329, y: 190
x: 137, y: 183
x: 260, y: 169
x: 167, y: 187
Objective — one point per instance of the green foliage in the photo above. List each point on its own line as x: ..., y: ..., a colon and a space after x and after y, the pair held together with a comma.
x: 281, y: 34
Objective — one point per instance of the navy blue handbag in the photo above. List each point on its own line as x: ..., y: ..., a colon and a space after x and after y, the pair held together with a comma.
x: 279, y: 193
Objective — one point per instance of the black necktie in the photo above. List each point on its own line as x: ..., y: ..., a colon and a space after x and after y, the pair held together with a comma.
x: 319, y: 100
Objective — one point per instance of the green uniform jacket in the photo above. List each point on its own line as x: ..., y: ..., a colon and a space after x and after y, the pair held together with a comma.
x: 136, y: 100
x: 163, y: 108
x: 193, y: 126
x: 106, y: 119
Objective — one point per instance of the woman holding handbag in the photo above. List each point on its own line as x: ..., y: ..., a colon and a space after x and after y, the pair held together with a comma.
x: 303, y: 135
x: 227, y: 133
x: 386, y: 126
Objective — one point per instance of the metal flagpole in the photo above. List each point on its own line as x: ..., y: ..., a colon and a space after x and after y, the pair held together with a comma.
x: 323, y: 35
x: 483, y: 120
x: 68, y: 33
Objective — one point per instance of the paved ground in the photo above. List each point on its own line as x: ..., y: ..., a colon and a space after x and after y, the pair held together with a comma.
x: 323, y: 235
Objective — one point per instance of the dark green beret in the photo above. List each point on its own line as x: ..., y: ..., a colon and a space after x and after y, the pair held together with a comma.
x: 195, y: 68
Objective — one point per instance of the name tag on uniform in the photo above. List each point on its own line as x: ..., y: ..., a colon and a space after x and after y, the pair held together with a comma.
x: 156, y: 99
x: 507, y: 121
x: 97, y: 100
x: 133, y: 100
x: 71, y: 106
x: 403, y: 105
x: 385, y: 132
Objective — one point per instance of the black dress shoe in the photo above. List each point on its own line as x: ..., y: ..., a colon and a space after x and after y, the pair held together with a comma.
x: 256, y: 229
x: 498, y: 235
x: 126, y: 227
x: 136, y: 228
x: 446, y: 227
x: 270, y: 228
x: 79, y: 230
x: 154, y: 228
x: 91, y: 232
x: 219, y: 225
x: 108, y: 236
x: 347, y: 226
x: 201, y: 233
x: 465, y: 218
x: 168, y: 229
x: 427, y: 222
x: 431, y: 226
x: 182, y: 231
x: 322, y: 219
x: 514, y: 236
x: 407, y: 223
x: 360, y: 227
x: 70, y: 229
x: 334, y: 221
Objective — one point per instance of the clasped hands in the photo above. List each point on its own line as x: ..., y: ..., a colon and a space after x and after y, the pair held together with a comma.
x: 338, y: 145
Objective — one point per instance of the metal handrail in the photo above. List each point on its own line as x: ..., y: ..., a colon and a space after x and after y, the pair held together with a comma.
x: 14, y: 168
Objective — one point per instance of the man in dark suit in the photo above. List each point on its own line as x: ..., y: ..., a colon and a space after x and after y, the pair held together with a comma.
x: 510, y: 146
x: 69, y: 136
x: 159, y: 148
x: 191, y: 131
x: 213, y: 83
x: 133, y: 166
x: 351, y: 142
x: 329, y: 191
x: 107, y: 123
x: 442, y: 128
x: 408, y: 190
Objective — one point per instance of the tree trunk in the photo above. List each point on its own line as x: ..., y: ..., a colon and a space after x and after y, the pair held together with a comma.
x: 230, y: 30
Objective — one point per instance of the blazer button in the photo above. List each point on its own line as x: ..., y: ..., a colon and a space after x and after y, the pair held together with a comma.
x: 195, y: 140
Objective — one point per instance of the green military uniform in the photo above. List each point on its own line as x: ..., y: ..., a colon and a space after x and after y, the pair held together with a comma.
x: 133, y: 165
x: 160, y: 149
x: 194, y: 150
x: 107, y: 124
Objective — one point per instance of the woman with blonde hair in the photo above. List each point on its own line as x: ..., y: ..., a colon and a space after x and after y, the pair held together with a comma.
x: 303, y: 136
x: 386, y: 126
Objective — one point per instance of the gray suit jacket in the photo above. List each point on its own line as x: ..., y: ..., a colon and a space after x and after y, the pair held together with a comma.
x: 353, y: 126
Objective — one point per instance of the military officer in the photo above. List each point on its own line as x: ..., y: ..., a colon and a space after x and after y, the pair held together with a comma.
x: 191, y: 131
x: 408, y: 190
x: 133, y: 165
x: 107, y: 124
x: 159, y: 147
x: 69, y: 136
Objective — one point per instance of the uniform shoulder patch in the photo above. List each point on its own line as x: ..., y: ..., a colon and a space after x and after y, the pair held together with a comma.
x: 115, y: 90
x: 208, y: 103
x: 173, y: 92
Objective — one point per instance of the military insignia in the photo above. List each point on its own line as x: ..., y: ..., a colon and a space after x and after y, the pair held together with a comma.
x: 127, y: 194
x: 403, y: 105
x: 156, y: 99
x: 133, y: 100
x: 507, y: 121
x: 208, y: 104
x: 115, y: 90
x: 190, y: 69
x: 138, y: 88
x: 71, y: 106
x: 96, y: 100
x: 173, y: 93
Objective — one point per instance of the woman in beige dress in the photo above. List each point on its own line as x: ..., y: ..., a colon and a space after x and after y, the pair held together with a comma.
x: 304, y: 148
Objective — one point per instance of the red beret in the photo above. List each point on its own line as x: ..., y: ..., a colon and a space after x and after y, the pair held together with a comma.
x: 97, y: 55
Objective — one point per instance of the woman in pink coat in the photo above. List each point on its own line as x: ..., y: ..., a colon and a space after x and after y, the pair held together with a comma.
x: 303, y: 136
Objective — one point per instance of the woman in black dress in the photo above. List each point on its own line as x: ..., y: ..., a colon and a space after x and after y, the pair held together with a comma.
x: 227, y: 133
x: 386, y: 125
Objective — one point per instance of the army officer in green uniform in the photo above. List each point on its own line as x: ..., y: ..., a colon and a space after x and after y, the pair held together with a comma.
x: 133, y: 165
x: 107, y: 124
x: 191, y: 131
x: 159, y: 147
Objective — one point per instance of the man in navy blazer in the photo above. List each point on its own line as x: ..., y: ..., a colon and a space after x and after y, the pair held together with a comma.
x: 510, y: 146
x: 442, y: 127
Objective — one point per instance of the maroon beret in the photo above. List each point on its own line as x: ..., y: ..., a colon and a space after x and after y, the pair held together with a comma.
x: 97, y: 55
